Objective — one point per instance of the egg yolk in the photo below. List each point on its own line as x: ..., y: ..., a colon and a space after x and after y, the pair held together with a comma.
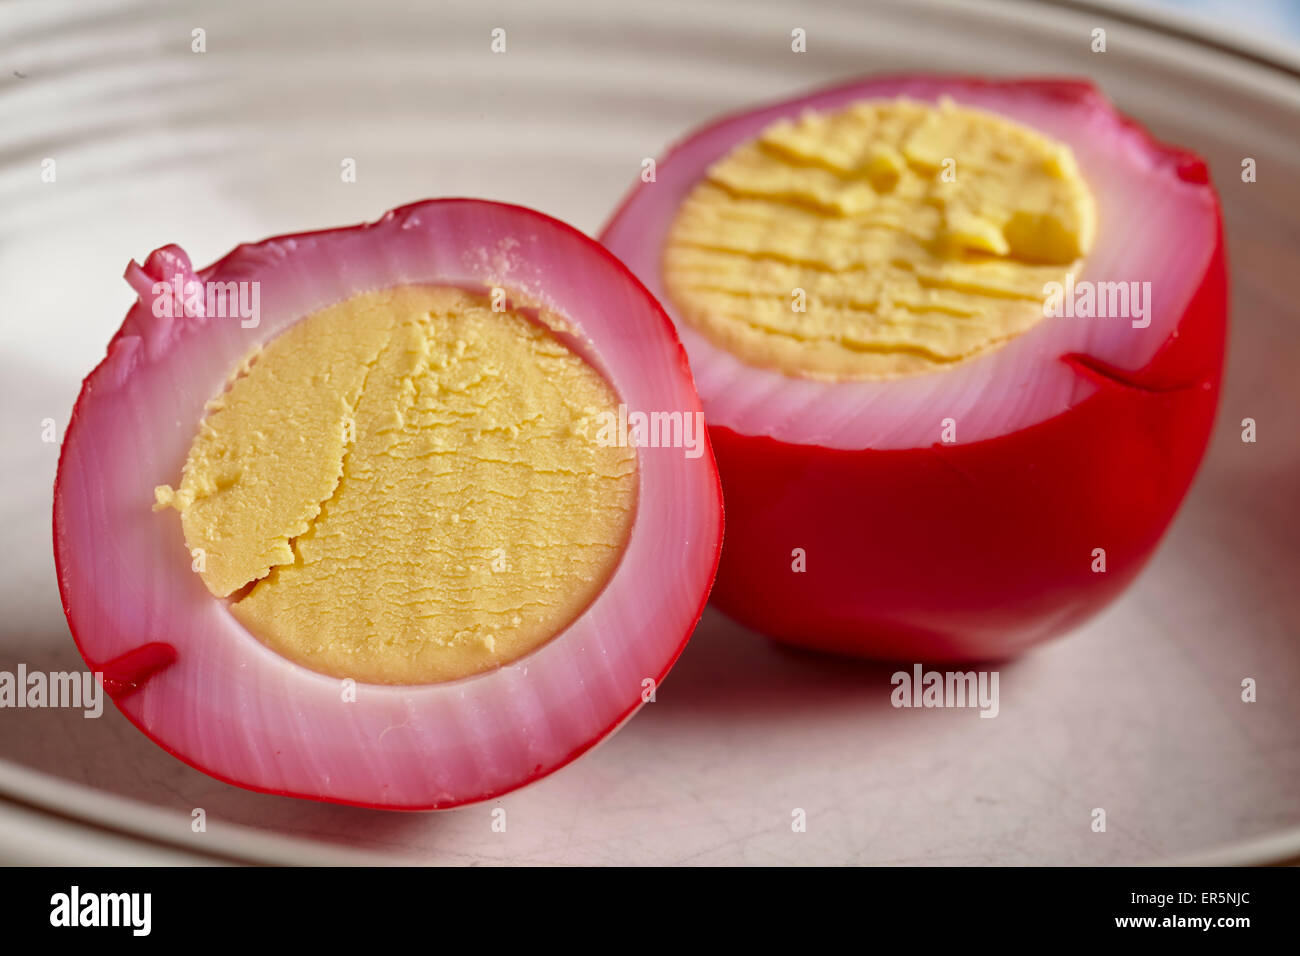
x: 886, y: 239
x: 408, y: 487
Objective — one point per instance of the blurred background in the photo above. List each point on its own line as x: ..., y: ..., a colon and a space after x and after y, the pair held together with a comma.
x: 1272, y: 18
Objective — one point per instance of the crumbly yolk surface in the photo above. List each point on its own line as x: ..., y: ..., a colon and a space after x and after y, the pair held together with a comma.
x: 890, y: 238
x: 407, y: 487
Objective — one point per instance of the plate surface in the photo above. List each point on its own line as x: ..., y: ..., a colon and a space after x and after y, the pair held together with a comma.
x: 1139, y: 713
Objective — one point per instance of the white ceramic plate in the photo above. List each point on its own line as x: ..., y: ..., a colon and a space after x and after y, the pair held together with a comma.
x: 1138, y: 713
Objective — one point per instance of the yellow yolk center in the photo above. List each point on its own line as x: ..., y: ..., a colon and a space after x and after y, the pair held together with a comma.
x: 408, y: 487
x: 890, y: 238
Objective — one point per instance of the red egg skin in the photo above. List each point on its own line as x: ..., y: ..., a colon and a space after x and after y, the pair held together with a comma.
x: 973, y: 552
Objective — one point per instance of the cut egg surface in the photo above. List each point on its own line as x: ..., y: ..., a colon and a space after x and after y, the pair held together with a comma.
x: 387, y: 538
x: 959, y: 343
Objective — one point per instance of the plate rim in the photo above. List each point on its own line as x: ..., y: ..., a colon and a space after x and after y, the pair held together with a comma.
x: 1190, y: 26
